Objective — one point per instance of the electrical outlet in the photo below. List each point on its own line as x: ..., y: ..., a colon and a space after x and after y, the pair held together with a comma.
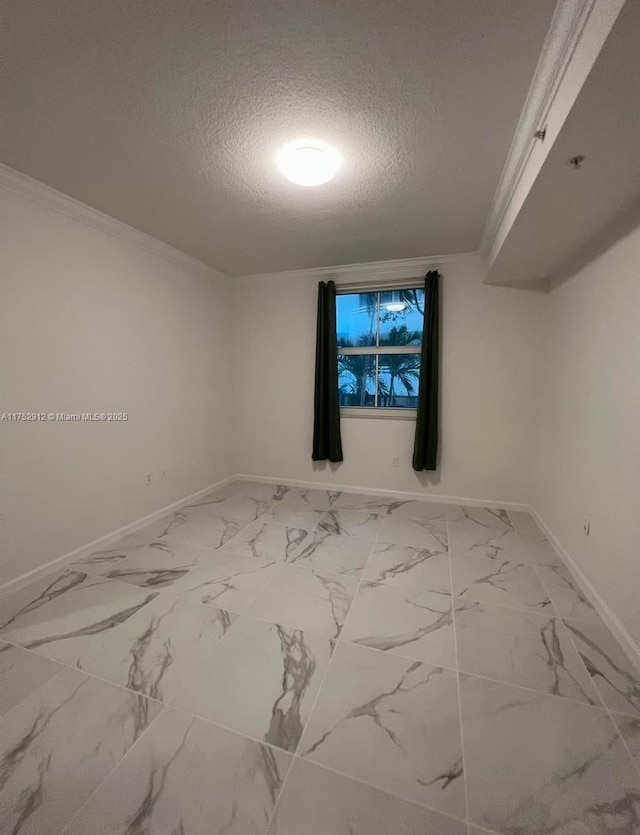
x: 394, y: 462
x: 586, y: 527
x: 147, y: 479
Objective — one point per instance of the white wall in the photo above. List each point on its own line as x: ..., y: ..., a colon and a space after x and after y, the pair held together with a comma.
x: 588, y: 455
x: 540, y: 394
x: 90, y: 323
x: 491, y: 367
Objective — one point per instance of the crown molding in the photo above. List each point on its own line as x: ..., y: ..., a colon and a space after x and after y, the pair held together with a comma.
x: 50, y: 198
x: 576, y: 34
x: 401, y: 268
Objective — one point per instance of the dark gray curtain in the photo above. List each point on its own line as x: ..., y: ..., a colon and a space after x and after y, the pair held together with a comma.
x: 327, y: 444
x: 425, y: 449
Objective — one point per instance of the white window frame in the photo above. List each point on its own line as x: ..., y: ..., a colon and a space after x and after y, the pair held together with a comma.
x: 379, y: 412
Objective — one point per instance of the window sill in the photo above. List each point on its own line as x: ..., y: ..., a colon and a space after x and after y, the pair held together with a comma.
x: 378, y: 414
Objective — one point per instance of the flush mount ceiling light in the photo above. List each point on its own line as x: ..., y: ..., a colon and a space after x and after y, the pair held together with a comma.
x: 395, y: 307
x: 395, y: 304
x: 309, y: 162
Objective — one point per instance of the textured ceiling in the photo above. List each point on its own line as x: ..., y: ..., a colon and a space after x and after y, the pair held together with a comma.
x: 167, y: 114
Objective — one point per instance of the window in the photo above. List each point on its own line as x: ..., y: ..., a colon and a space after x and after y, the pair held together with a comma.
x: 379, y: 344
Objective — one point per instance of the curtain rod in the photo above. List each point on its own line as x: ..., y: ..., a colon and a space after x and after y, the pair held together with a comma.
x: 376, y: 285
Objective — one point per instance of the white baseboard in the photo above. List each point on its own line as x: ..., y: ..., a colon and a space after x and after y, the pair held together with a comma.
x: 103, y: 541
x: 611, y: 620
x: 375, y: 491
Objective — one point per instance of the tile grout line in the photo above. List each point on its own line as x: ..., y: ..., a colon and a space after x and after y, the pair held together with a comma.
x: 320, y: 687
x: 597, y: 689
x: 87, y: 676
x: 36, y: 690
x: 66, y: 666
x: 146, y: 543
x: 241, y: 614
x: 165, y: 705
x: 458, y: 686
x: 280, y: 793
x: 360, y: 581
x: 160, y: 592
x: 388, y: 792
x: 608, y: 711
x: 311, y: 709
x: 544, y: 693
x: 117, y: 765
x: 606, y: 708
x: 294, y: 755
x: 223, y: 548
x: 269, y: 745
x: 167, y: 592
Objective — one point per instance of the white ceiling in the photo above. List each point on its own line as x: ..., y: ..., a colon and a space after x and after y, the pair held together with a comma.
x: 167, y: 115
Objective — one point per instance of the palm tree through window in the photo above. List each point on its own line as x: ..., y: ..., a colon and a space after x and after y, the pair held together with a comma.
x: 379, y: 337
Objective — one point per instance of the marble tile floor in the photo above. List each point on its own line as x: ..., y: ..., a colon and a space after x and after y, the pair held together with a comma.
x: 273, y: 660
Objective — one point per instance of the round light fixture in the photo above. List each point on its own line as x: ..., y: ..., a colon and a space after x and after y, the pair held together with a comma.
x: 395, y: 307
x: 309, y: 162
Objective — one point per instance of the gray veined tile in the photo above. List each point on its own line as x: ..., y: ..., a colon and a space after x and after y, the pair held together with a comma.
x: 524, y: 523
x: 537, y: 550
x: 487, y: 580
x: 59, y: 744
x: 327, y: 552
x: 160, y: 649
x: 523, y: 648
x: 489, y: 533
x: 61, y: 615
x: 187, y: 777
x: 614, y: 675
x: 480, y: 531
x: 206, y: 532
x: 361, y: 523
x: 360, y: 501
x: 419, y: 511
x: 111, y: 555
x: 208, y: 501
x: 262, y: 681
x: 392, y: 723
x: 271, y: 542
x: 314, y: 498
x: 316, y: 801
x: 427, y: 534
x: 568, y: 600
x: 293, y: 516
x: 226, y: 580
x: 165, y: 526
x: 281, y: 492
x: 479, y: 517
x: 264, y: 491
x: 536, y: 764
x: 305, y: 599
x: 629, y: 729
x: 238, y: 508
x: 157, y: 566
x: 413, y: 624
x: 21, y: 673
x: 415, y: 568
